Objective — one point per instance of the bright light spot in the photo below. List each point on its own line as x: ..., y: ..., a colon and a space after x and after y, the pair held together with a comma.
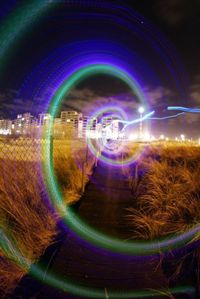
x: 146, y: 137
x: 182, y: 137
x: 5, y: 132
x: 162, y: 137
x: 141, y: 110
x: 132, y: 137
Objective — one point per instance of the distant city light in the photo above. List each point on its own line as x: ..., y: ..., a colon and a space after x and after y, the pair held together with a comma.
x: 73, y: 124
x: 182, y: 137
x: 5, y: 132
x: 162, y: 137
x: 132, y: 137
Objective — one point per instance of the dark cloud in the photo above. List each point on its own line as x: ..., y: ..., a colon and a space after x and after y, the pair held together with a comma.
x: 11, y: 105
x: 87, y: 101
x: 188, y: 123
x: 159, y: 96
x: 195, y: 93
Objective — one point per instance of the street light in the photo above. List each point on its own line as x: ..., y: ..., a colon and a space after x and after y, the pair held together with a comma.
x: 141, y: 111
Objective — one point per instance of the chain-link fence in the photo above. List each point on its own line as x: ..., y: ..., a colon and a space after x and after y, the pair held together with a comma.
x: 24, y: 156
x: 25, y: 216
x: 22, y: 176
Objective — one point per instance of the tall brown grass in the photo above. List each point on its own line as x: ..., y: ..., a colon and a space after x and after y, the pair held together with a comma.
x: 73, y: 172
x: 167, y: 196
x: 25, y: 216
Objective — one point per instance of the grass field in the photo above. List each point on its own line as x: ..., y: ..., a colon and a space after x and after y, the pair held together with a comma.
x: 164, y: 180
x: 25, y: 216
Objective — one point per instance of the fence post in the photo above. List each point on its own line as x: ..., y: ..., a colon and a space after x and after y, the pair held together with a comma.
x: 96, y: 159
x: 97, y: 156
x: 82, y: 179
x: 51, y: 147
x: 86, y: 156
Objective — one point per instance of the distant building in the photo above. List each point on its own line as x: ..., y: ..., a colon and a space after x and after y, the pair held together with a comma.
x: 5, y: 127
x: 87, y: 127
x: 44, y: 119
x: 71, y: 117
x: 23, y: 124
x: 70, y: 123
x: 43, y: 122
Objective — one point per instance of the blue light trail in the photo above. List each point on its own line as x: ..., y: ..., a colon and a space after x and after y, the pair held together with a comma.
x: 184, y: 109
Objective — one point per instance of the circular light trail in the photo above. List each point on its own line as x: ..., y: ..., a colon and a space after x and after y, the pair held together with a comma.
x: 40, y: 273
x: 70, y: 218
x: 10, y: 32
x: 110, y: 146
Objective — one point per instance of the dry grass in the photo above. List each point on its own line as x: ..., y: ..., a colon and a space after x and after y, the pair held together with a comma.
x: 166, y: 198
x: 168, y: 191
x: 73, y: 172
x: 167, y: 194
x: 25, y: 216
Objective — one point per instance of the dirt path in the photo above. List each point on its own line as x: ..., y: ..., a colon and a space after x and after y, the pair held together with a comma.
x: 103, y: 206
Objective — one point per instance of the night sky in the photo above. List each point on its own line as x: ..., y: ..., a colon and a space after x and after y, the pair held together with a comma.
x: 176, y: 21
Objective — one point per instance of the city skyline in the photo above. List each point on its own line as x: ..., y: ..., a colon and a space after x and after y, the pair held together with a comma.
x: 73, y: 124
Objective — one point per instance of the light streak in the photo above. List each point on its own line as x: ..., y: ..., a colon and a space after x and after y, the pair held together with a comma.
x: 167, y: 117
x: 184, y: 109
x: 135, y: 121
